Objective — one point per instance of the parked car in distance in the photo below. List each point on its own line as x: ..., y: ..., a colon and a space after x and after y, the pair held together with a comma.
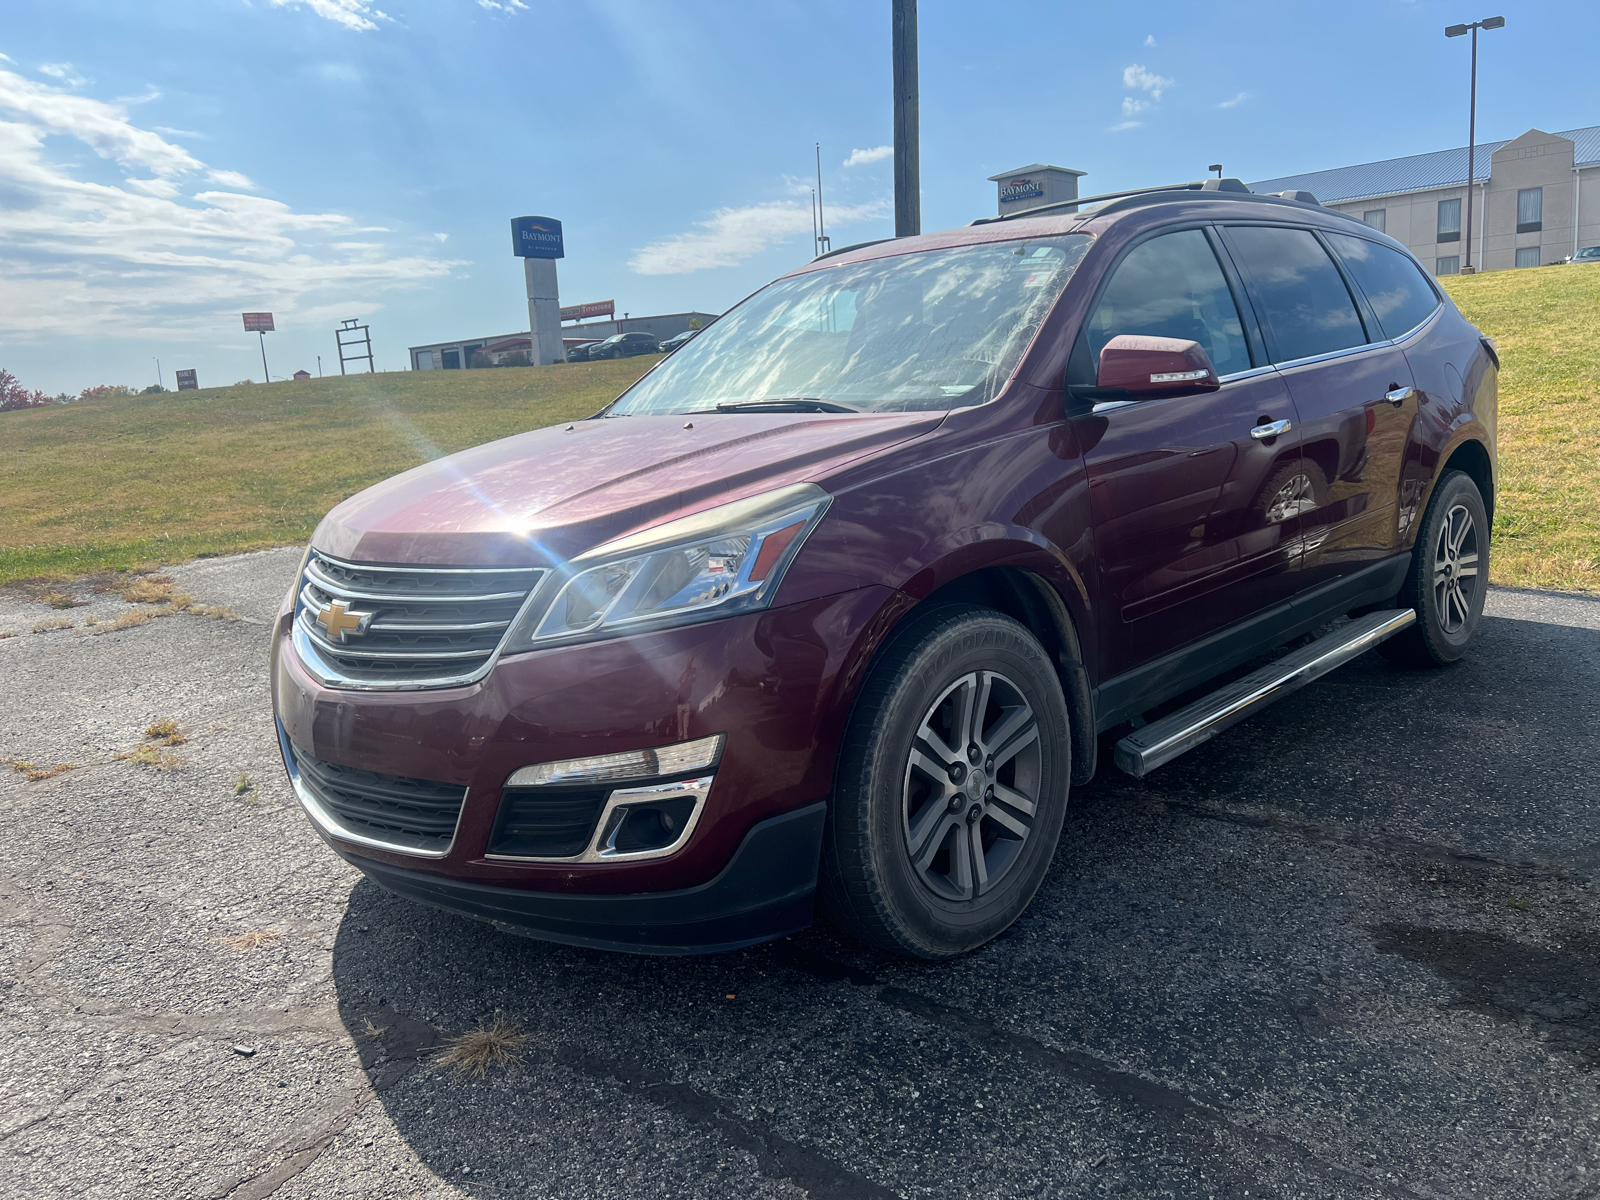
x: 1589, y: 254
x: 677, y: 340
x: 581, y: 353
x: 625, y: 345
x: 831, y: 607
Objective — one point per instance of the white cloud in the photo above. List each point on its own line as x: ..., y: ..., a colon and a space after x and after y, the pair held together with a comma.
x: 1236, y: 101
x: 1132, y: 107
x: 352, y: 14
x: 735, y: 234
x: 862, y: 157
x: 6, y: 58
x: 508, y: 6
x: 103, y: 127
x: 1122, y: 125
x: 443, y: 237
x: 63, y: 72
x: 1137, y: 76
x: 230, y: 179
x: 1149, y: 39
x: 143, y: 260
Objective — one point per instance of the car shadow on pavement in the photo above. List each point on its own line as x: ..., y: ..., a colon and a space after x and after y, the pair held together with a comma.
x: 1369, y: 916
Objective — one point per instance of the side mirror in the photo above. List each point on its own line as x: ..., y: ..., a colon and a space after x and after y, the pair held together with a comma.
x: 1147, y: 367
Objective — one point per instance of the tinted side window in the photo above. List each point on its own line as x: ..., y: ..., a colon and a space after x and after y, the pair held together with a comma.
x: 1395, y: 288
x: 1171, y: 286
x: 1300, y: 297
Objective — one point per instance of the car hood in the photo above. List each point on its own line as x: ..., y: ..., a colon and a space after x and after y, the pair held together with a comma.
x: 542, y: 497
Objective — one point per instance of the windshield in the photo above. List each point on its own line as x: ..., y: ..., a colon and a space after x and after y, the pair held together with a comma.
x: 934, y: 329
x: 1589, y: 252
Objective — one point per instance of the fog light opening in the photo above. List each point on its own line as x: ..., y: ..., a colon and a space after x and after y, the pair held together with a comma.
x: 652, y: 826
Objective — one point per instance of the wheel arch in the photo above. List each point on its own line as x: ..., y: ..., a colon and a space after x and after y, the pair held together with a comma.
x: 1472, y: 457
x: 1029, y: 599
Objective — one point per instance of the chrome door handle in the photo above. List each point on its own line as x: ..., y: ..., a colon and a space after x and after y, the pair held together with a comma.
x: 1270, y: 429
x: 1399, y: 396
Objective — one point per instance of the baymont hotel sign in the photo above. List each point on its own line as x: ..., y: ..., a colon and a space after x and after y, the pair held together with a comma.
x: 1023, y: 187
x: 536, y: 237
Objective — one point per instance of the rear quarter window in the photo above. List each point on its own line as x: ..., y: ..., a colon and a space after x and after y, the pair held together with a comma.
x: 1399, y: 293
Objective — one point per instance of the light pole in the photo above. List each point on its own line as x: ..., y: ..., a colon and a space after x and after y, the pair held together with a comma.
x: 160, y: 383
x: 1451, y: 31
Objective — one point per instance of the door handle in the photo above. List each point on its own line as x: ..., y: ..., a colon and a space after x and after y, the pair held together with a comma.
x: 1398, y: 396
x: 1270, y: 429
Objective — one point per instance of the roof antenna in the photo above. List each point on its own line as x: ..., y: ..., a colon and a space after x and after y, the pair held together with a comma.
x: 1217, y: 167
x: 822, y: 226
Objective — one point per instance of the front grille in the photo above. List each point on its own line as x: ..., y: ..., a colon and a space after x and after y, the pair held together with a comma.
x: 419, y: 626
x: 409, y: 814
x: 546, y: 822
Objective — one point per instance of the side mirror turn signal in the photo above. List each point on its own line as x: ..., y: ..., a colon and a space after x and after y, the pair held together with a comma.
x: 1146, y: 367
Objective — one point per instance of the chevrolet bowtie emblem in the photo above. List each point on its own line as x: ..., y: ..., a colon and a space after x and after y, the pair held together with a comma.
x: 338, y: 621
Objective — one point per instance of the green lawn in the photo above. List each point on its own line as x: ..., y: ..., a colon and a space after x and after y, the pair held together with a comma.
x: 1546, y: 322
x: 147, y: 480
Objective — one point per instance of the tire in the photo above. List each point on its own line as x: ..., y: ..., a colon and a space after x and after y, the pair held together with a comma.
x: 900, y: 784
x: 1292, y: 490
x: 1448, y: 578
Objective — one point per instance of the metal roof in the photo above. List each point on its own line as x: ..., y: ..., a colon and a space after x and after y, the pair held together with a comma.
x: 1416, y: 172
x: 1031, y: 168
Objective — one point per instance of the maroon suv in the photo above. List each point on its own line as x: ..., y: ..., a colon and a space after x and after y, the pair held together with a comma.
x: 833, y: 604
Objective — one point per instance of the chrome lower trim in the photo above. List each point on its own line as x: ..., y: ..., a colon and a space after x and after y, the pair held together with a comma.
x: 329, y: 675
x: 1162, y: 741
x: 602, y: 842
x: 329, y: 824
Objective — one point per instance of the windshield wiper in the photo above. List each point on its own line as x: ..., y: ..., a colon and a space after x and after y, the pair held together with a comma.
x: 786, y: 404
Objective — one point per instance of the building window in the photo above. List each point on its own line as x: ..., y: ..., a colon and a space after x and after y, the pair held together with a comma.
x: 1447, y: 266
x: 1375, y: 218
x: 1530, y: 211
x: 1528, y: 256
x: 1449, y: 221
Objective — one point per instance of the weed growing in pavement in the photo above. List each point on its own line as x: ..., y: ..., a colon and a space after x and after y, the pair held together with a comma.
x: 51, y: 624
x: 497, y: 1044
x: 4, y: 636
x: 1518, y: 903
x: 165, y: 731
x: 149, y: 756
x: 62, y: 600
x: 244, y: 786
x: 372, y: 1031
x: 134, y: 616
x: 249, y: 941
x: 32, y: 771
x: 147, y: 589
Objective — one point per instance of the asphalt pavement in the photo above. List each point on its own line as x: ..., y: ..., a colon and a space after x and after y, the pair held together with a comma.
x: 1348, y: 949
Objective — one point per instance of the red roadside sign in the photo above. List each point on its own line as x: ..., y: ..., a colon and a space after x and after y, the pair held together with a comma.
x: 582, y: 312
x: 258, y: 322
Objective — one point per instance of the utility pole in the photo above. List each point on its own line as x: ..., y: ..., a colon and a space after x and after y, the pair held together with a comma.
x: 907, y: 165
x: 264, y: 370
x: 160, y: 383
x: 1472, y: 120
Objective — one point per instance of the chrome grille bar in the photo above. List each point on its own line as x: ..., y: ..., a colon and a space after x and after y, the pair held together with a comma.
x: 421, y: 627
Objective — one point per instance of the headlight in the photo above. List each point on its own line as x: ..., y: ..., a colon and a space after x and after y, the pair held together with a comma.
x: 727, y: 560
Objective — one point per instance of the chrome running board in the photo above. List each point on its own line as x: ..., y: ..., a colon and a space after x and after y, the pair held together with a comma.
x: 1143, y: 750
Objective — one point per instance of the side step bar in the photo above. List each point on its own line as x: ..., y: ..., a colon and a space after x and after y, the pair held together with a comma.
x: 1143, y: 750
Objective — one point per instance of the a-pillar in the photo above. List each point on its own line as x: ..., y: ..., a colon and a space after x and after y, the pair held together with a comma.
x: 544, y: 311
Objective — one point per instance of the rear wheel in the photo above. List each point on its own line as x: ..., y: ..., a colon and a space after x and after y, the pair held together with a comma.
x: 1448, y: 578
x: 951, y: 789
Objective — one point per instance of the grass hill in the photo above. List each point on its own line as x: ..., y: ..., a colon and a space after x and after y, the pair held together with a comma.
x: 146, y: 480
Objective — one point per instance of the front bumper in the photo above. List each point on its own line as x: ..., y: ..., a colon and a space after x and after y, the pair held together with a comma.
x: 777, y: 683
x: 765, y: 892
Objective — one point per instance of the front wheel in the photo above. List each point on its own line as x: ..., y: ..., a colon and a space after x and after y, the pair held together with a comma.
x: 951, y: 789
x: 1449, y: 577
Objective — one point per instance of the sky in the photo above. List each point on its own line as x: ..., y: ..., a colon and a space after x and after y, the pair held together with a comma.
x: 168, y: 165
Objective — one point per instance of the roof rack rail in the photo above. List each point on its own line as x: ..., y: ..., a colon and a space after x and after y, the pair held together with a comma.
x: 1224, y: 187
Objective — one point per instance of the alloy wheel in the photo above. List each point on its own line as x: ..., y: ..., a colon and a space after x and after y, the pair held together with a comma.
x: 1298, y: 495
x: 971, y: 786
x: 1455, y: 569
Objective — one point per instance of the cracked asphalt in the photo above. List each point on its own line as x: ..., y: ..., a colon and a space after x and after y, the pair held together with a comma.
x: 1348, y: 949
